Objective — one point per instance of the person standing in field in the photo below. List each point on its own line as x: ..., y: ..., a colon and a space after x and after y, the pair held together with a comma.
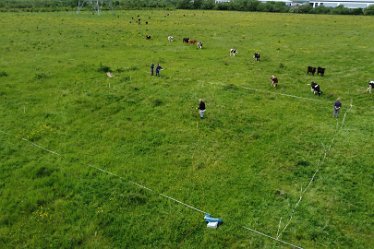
x: 158, y: 69
x: 337, y: 107
x: 201, y: 108
x: 152, y: 68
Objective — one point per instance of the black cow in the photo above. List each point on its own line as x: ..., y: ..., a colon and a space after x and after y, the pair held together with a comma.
x: 315, y: 88
x: 256, y: 56
x: 274, y: 81
x: 148, y: 37
x: 311, y: 70
x: 321, y: 71
x: 185, y: 40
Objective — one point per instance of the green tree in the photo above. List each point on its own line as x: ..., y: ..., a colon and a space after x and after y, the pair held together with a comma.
x: 208, y: 4
x: 252, y: 5
x: 322, y: 10
x: 184, y: 4
x: 305, y: 8
x: 356, y: 11
x: 369, y: 10
x: 197, y: 4
x: 340, y: 10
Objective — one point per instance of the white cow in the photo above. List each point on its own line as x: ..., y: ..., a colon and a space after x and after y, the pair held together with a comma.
x: 233, y: 51
x: 170, y: 38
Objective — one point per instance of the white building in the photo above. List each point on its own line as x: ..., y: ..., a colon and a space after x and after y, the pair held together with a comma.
x: 352, y: 4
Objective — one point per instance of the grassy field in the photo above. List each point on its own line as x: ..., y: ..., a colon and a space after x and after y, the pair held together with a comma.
x: 247, y: 162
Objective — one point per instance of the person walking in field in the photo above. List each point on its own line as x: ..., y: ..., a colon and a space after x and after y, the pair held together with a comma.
x: 152, y: 68
x: 158, y: 69
x: 337, y: 107
x: 201, y: 108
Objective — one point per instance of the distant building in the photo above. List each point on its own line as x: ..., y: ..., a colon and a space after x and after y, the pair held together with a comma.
x: 352, y: 4
x: 286, y: 2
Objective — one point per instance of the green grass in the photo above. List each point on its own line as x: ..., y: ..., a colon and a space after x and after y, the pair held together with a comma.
x: 245, y: 162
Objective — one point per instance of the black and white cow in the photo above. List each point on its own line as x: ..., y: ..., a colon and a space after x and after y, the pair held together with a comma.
x: 315, y: 88
x: 311, y: 70
x: 371, y: 86
x: 199, y: 45
x: 233, y: 51
x: 256, y: 56
x: 321, y: 71
x: 274, y: 81
x: 170, y: 38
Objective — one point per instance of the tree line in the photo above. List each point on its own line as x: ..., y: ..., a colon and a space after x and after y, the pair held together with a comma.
x: 234, y: 5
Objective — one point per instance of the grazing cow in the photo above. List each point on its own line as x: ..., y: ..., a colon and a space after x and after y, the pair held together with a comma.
x: 199, y: 45
x: 185, y: 40
x: 192, y: 42
x: 274, y: 81
x: 321, y: 71
x: 315, y: 88
x: 148, y: 37
x: 256, y: 56
x: 371, y: 86
x: 170, y: 38
x: 233, y: 51
x: 311, y: 70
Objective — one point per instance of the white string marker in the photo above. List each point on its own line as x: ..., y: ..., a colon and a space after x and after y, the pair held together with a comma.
x: 268, y: 236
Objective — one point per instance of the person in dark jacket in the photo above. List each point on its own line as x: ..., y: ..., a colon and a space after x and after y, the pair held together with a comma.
x: 337, y: 106
x: 201, y: 108
x: 152, y: 68
x: 158, y: 69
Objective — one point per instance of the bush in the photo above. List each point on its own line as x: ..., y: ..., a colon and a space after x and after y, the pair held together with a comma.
x: 357, y: 11
x: 3, y: 74
x: 104, y: 68
x: 41, y: 76
x: 340, y: 10
x: 305, y: 8
x: 222, y: 6
x: 322, y: 10
x: 184, y: 4
x: 272, y: 7
x: 208, y: 4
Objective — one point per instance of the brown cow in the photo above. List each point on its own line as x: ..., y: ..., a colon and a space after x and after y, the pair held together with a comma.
x: 192, y: 42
